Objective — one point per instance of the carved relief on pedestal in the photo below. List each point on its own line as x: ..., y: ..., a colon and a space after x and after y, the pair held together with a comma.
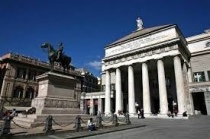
x: 51, y: 103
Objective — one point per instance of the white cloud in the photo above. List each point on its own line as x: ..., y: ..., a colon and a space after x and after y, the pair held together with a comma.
x: 95, y: 64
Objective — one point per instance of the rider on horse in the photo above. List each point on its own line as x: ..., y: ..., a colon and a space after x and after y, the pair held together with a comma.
x: 59, y: 51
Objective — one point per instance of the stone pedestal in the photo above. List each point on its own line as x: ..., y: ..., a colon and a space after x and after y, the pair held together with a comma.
x: 56, y: 97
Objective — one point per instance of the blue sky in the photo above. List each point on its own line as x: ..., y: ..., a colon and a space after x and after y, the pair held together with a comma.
x: 86, y: 26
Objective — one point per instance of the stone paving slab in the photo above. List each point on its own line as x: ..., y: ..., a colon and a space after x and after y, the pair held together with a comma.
x: 73, y: 134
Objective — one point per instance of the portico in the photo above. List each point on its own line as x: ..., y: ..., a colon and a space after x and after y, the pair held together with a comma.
x: 146, y: 67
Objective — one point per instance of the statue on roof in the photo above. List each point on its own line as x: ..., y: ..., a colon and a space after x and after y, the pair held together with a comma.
x: 139, y: 23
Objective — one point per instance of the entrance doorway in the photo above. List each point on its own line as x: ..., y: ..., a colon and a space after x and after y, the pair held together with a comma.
x: 199, y: 102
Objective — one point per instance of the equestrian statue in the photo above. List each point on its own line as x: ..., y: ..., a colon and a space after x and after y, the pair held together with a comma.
x: 57, y: 56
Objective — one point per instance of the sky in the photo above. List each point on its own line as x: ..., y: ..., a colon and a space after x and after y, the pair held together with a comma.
x: 87, y: 26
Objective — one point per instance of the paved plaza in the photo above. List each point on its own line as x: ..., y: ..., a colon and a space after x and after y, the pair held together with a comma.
x: 193, y: 128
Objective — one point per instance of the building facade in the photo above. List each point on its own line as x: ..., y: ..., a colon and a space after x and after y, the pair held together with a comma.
x: 199, y: 83
x: 18, y: 79
x: 158, y: 69
x: 88, y: 81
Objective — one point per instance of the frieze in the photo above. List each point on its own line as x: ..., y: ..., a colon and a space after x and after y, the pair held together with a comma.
x: 150, y: 53
x: 123, y: 59
x: 117, y: 61
x: 129, y: 58
x: 135, y: 56
x: 140, y: 55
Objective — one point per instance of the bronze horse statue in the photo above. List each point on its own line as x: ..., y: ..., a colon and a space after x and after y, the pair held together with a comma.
x: 63, y: 59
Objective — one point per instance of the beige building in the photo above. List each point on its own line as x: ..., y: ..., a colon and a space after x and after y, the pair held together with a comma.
x: 18, y: 84
x: 158, y: 69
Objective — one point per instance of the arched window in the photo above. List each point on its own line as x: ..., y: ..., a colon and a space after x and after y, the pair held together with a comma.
x: 30, y: 93
x: 18, y: 92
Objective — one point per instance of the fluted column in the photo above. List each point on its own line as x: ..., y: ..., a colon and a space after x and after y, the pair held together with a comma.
x: 92, y: 106
x: 107, y: 95
x: 146, y: 91
x: 131, y: 91
x: 118, y: 99
x: 179, y: 84
x: 162, y: 88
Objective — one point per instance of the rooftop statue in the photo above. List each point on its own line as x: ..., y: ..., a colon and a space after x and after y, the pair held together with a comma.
x: 139, y: 24
x: 57, y: 56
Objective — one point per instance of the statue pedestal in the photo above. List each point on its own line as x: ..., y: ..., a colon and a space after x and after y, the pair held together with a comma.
x: 56, y: 97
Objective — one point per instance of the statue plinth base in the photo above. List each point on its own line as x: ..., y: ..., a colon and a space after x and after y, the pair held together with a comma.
x: 56, y: 97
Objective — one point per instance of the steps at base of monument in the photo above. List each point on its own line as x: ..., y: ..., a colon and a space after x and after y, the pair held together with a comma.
x: 39, y: 120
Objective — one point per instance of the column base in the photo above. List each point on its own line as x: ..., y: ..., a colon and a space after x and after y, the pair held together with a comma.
x: 133, y: 114
x: 147, y: 114
x: 107, y: 114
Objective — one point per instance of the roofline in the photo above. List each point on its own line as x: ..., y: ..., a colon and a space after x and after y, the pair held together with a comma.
x: 141, y: 36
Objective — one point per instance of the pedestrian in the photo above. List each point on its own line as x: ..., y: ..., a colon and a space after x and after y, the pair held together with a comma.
x: 142, y: 113
x: 139, y: 113
x: 136, y: 106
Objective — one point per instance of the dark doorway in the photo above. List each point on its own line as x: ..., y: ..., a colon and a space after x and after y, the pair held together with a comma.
x: 156, y: 106
x: 199, y: 102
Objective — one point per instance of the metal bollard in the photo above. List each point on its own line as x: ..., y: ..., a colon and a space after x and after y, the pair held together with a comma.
x: 99, y: 121
x: 48, y: 125
x: 115, y: 120
x: 6, y: 125
x: 127, y: 118
x: 78, y: 123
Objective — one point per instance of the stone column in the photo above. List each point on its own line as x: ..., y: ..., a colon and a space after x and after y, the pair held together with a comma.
x: 118, y: 104
x: 91, y: 106
x: 191, y: 104
x: 162, y: 88
x: 146, y: 91
x: 131, y: 91
x: 25, y: 88
x: 179, y: 84
x: 100, y: 105
x: 189, y: 74
x: 107, y: 95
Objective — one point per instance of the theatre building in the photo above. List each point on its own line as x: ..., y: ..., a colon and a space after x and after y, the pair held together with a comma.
x: 157, y: 68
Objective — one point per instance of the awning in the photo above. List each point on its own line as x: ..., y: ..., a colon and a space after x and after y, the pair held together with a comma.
x: 17, y: 108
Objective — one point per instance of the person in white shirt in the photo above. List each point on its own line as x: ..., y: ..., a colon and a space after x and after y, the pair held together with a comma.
x: 91, y: 125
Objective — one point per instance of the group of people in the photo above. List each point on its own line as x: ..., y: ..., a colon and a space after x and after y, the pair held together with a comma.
x: 139, y: 111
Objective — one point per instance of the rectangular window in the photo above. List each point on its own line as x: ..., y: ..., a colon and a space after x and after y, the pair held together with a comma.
x: 199, y: 77
x: 32, y: 75
x: 21, y: 73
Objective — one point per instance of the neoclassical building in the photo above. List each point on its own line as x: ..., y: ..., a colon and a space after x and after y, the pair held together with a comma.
x: 151, y: 67
x: 158, y: 69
